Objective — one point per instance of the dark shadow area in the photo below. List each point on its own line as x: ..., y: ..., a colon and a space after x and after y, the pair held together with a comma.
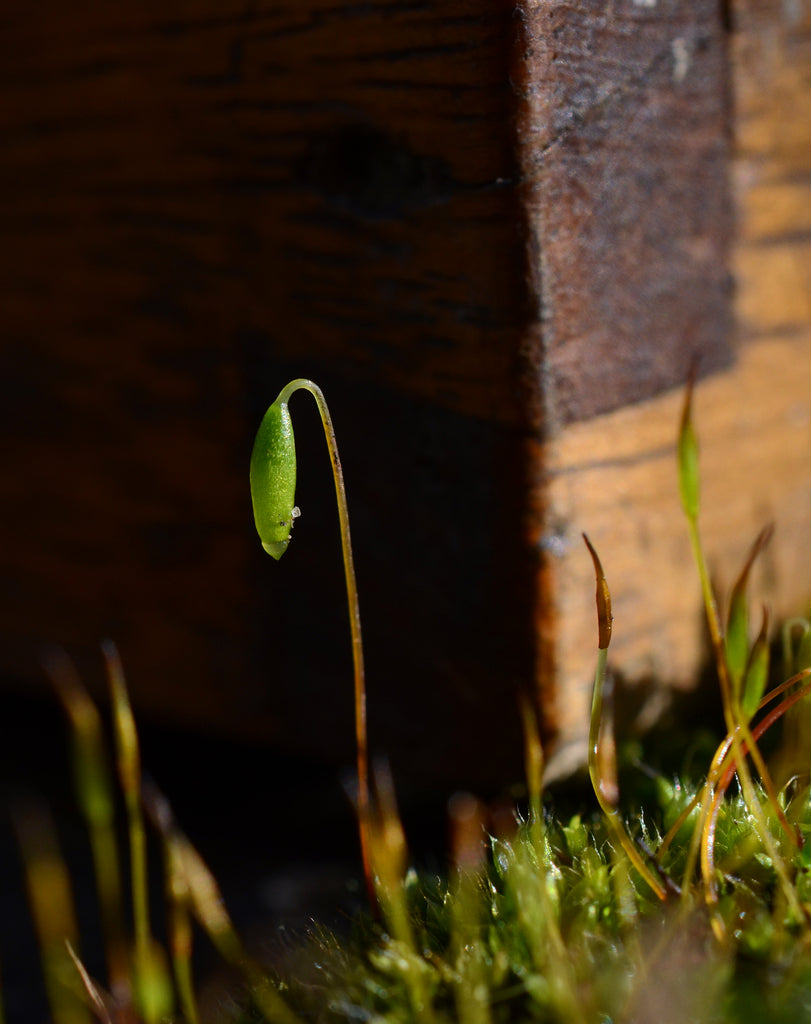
x: 277, y: 830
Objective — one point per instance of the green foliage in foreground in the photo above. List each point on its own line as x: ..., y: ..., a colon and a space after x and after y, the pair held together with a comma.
x: 556, y: 926
x: 697, y: 909
x: 700, y: 912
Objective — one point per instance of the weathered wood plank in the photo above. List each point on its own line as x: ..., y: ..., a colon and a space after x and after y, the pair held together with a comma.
x: 615, y: 476
x: 773, y: 170
x: 624, y: 143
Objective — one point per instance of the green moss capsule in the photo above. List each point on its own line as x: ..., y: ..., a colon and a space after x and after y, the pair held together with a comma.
x: 273, y: 479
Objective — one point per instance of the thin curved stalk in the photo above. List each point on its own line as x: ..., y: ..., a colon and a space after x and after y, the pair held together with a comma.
x: 736, y: 722
x: 361, y: 738
x: 720, y: 758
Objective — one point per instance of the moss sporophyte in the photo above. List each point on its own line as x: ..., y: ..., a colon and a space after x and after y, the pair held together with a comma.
x: 696, y: 909
x: 674, y: 868
x: 273, y: 493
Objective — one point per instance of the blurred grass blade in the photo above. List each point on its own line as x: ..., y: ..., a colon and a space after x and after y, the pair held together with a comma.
x: 178, y: 897
x: 468, y: 952
x: 207, y: 902
x: 180, y: 932
x: 129, y: 772
x: 51, y: 901
x: 154, y: 993
x: 152, y: 985
x: 389, y: 863
x: 466, y: 815
x: 200, y: 891
x: 209, y: 909
x: 389, y: 855
x: 533, y: 755
x: 94, y: 793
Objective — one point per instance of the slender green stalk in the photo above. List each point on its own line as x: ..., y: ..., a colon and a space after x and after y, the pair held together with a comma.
x: 736, y: 721
x: 273, y: 472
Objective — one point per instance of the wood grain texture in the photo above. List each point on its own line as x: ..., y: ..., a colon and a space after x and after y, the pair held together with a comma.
x: 315, y: 177
x: 773, y: 168
x: 616, y: 476
x: 624, y: 142
x: 200, y: 202
x: 475, y: 224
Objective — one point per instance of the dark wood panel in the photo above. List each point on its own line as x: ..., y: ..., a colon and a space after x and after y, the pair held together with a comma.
x: 335, y: 177
x: 625, y: 136
x: 202, y: 200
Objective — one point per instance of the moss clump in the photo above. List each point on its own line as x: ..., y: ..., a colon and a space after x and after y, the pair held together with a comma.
x: 556, y: 925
